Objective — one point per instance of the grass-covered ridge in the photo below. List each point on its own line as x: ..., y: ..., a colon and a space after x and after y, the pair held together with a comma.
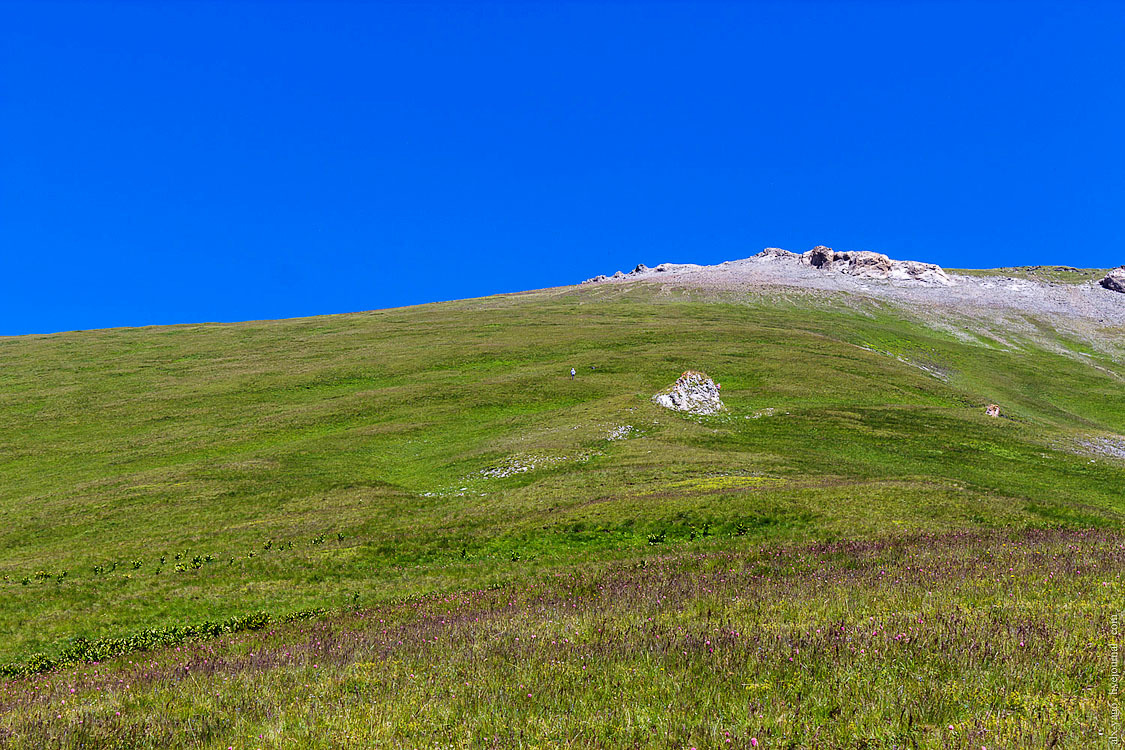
x: 163, y: 480
x: 305, y: 463
x: 1049, y: 274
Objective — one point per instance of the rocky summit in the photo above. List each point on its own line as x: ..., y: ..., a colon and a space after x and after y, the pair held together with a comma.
x: 925, y: 289
x: 863, y: 264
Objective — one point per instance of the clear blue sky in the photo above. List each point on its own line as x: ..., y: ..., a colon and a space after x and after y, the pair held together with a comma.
x: 197, y: 161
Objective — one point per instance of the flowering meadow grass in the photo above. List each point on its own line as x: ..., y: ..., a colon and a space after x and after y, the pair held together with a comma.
x: 954, y: 640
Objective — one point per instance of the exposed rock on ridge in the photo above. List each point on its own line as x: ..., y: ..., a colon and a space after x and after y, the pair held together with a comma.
x: 860, y: 264
x: 1115, y: 280
x: 998, y: 300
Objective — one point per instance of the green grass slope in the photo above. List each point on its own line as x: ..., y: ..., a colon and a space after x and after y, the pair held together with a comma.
x: 851, y: 555
x: 1046, y: 274
x: 167, y: 475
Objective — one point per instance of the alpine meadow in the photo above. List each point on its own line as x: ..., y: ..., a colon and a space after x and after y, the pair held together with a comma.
x: 414, y: 528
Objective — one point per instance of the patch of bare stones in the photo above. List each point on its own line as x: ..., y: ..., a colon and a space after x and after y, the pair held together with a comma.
x: 524, y: 463
x: 767, y: 412
x: 1113, y: 447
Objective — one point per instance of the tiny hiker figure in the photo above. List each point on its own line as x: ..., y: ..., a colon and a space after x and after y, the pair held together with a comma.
x: 572, y: 373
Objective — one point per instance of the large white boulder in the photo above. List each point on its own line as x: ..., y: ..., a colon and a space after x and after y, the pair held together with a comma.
x: 693, y: 392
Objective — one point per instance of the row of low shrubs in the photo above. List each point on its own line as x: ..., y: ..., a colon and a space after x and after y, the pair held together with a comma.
x: 194, y: 563
x: 84, y: 650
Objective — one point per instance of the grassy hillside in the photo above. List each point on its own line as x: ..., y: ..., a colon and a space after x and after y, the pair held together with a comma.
x: 163, y: 476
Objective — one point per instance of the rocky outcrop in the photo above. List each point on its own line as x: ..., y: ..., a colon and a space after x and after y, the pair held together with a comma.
x: 912, y: 270
x: 867, y: 264
x: 776, y: 253
x: 863, y: 264
x: 819, y: 257
x: 669, y: 267
x: 860, y: 264
x: 643, y: 270
x: 1115, y: 280
x: 693, y: 392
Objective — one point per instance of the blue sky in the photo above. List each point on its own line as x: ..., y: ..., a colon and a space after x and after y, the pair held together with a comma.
x: 198, y: 161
